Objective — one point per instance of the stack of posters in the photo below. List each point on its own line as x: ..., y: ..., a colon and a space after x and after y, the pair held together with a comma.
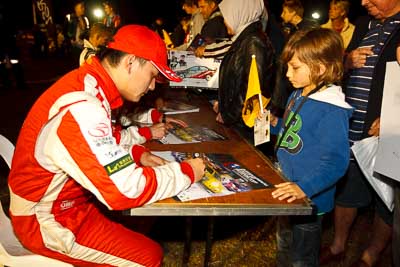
x: 223, y: 176
x: 190, y: 134
x: 178, y: 107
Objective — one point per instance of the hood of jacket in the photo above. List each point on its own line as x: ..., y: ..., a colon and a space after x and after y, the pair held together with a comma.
x: 238, y: 14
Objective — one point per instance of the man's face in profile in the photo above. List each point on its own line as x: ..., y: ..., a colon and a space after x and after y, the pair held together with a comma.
x: 206, y: 8
x: 381, y: 9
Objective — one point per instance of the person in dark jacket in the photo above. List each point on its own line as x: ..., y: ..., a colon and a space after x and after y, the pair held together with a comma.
x: 373, y: 44
x: 293, y: 20
x: 76, y: 27
x: 293, y: 17
x: 213, y: 29
x: 111, y: 19
x: 242, y: 19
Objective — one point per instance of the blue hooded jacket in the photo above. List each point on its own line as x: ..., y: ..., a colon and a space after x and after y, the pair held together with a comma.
x: 314, y: 152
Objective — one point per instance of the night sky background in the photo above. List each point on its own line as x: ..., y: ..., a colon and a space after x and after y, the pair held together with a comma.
x: 17, y: 14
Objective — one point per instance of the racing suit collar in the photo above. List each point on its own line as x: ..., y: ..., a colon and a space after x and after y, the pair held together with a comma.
x: 104, y: 80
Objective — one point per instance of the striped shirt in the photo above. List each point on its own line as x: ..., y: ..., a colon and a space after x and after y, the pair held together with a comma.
x: 360, y: 80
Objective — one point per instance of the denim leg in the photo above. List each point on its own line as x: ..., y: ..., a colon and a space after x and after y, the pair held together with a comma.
x: 284, y: 242
x: 306, y: 240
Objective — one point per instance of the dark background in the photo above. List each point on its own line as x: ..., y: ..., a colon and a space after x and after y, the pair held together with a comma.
x: 17, y: 14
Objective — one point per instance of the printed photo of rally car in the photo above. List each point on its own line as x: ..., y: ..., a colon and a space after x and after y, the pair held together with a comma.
x: 197, y: 72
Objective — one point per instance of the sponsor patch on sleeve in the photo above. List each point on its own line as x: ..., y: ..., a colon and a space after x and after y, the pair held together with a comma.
x: 118, y: 164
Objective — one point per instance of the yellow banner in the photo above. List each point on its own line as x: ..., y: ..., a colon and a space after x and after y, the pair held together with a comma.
x: 251, y: 105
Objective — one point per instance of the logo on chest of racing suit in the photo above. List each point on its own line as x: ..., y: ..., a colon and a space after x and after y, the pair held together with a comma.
x: 292, y: 142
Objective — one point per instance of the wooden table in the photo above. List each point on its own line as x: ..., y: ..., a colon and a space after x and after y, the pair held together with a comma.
x: 255, y: 202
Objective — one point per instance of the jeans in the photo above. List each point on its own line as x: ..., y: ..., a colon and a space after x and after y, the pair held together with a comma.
x: 298, y: 241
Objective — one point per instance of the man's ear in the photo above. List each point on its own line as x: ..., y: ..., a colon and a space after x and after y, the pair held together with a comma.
x: 128, y: 61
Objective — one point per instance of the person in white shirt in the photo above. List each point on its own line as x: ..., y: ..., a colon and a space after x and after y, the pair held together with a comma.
x: 338, y: 20
x: 195, y: 24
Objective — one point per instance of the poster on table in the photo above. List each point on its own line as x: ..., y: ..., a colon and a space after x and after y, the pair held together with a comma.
x: 388, y: 155
x: 190, y: 134
x: 195, y: 72
x: 223, y: 175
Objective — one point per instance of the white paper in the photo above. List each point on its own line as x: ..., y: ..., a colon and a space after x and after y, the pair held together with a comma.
x: 187, y: 135
x: 365, y: 154
x: 388, y: 156
x: 262, y: 129
x: 178, y: 107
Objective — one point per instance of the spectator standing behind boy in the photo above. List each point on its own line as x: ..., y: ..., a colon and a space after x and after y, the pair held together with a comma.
x: 373, y: 44
x: 76, y: 26
x: 338, y: 21
x: 311, y: 155
x: 293, y: 18
x: 67, y: 162
x: 111, y: 20
x: 99, y: 35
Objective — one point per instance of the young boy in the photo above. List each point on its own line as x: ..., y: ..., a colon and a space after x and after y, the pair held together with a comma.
x: 312, y: 146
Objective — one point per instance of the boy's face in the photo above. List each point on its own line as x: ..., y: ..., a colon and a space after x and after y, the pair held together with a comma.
x: 298, y: 73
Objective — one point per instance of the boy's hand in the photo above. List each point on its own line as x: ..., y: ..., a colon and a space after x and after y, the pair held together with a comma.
x: 273, y: 120
x: 259, y: 116
x: 289, y: 191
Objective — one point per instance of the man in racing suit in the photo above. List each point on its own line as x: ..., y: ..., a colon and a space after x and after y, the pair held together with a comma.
x: 67, y: 160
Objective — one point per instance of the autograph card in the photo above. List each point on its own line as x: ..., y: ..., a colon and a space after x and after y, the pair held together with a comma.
x: 261, y: 129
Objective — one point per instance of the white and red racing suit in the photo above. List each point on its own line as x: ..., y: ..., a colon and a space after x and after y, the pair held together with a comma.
x: 67, y: 161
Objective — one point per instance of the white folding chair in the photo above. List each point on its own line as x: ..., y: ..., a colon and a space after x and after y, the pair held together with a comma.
x: 12, y: 253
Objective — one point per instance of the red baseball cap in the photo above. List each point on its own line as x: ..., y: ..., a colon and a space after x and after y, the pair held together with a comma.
x: 142, y: 42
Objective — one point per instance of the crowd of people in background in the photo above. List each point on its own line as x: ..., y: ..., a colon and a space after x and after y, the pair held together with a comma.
x: 319, y: 76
